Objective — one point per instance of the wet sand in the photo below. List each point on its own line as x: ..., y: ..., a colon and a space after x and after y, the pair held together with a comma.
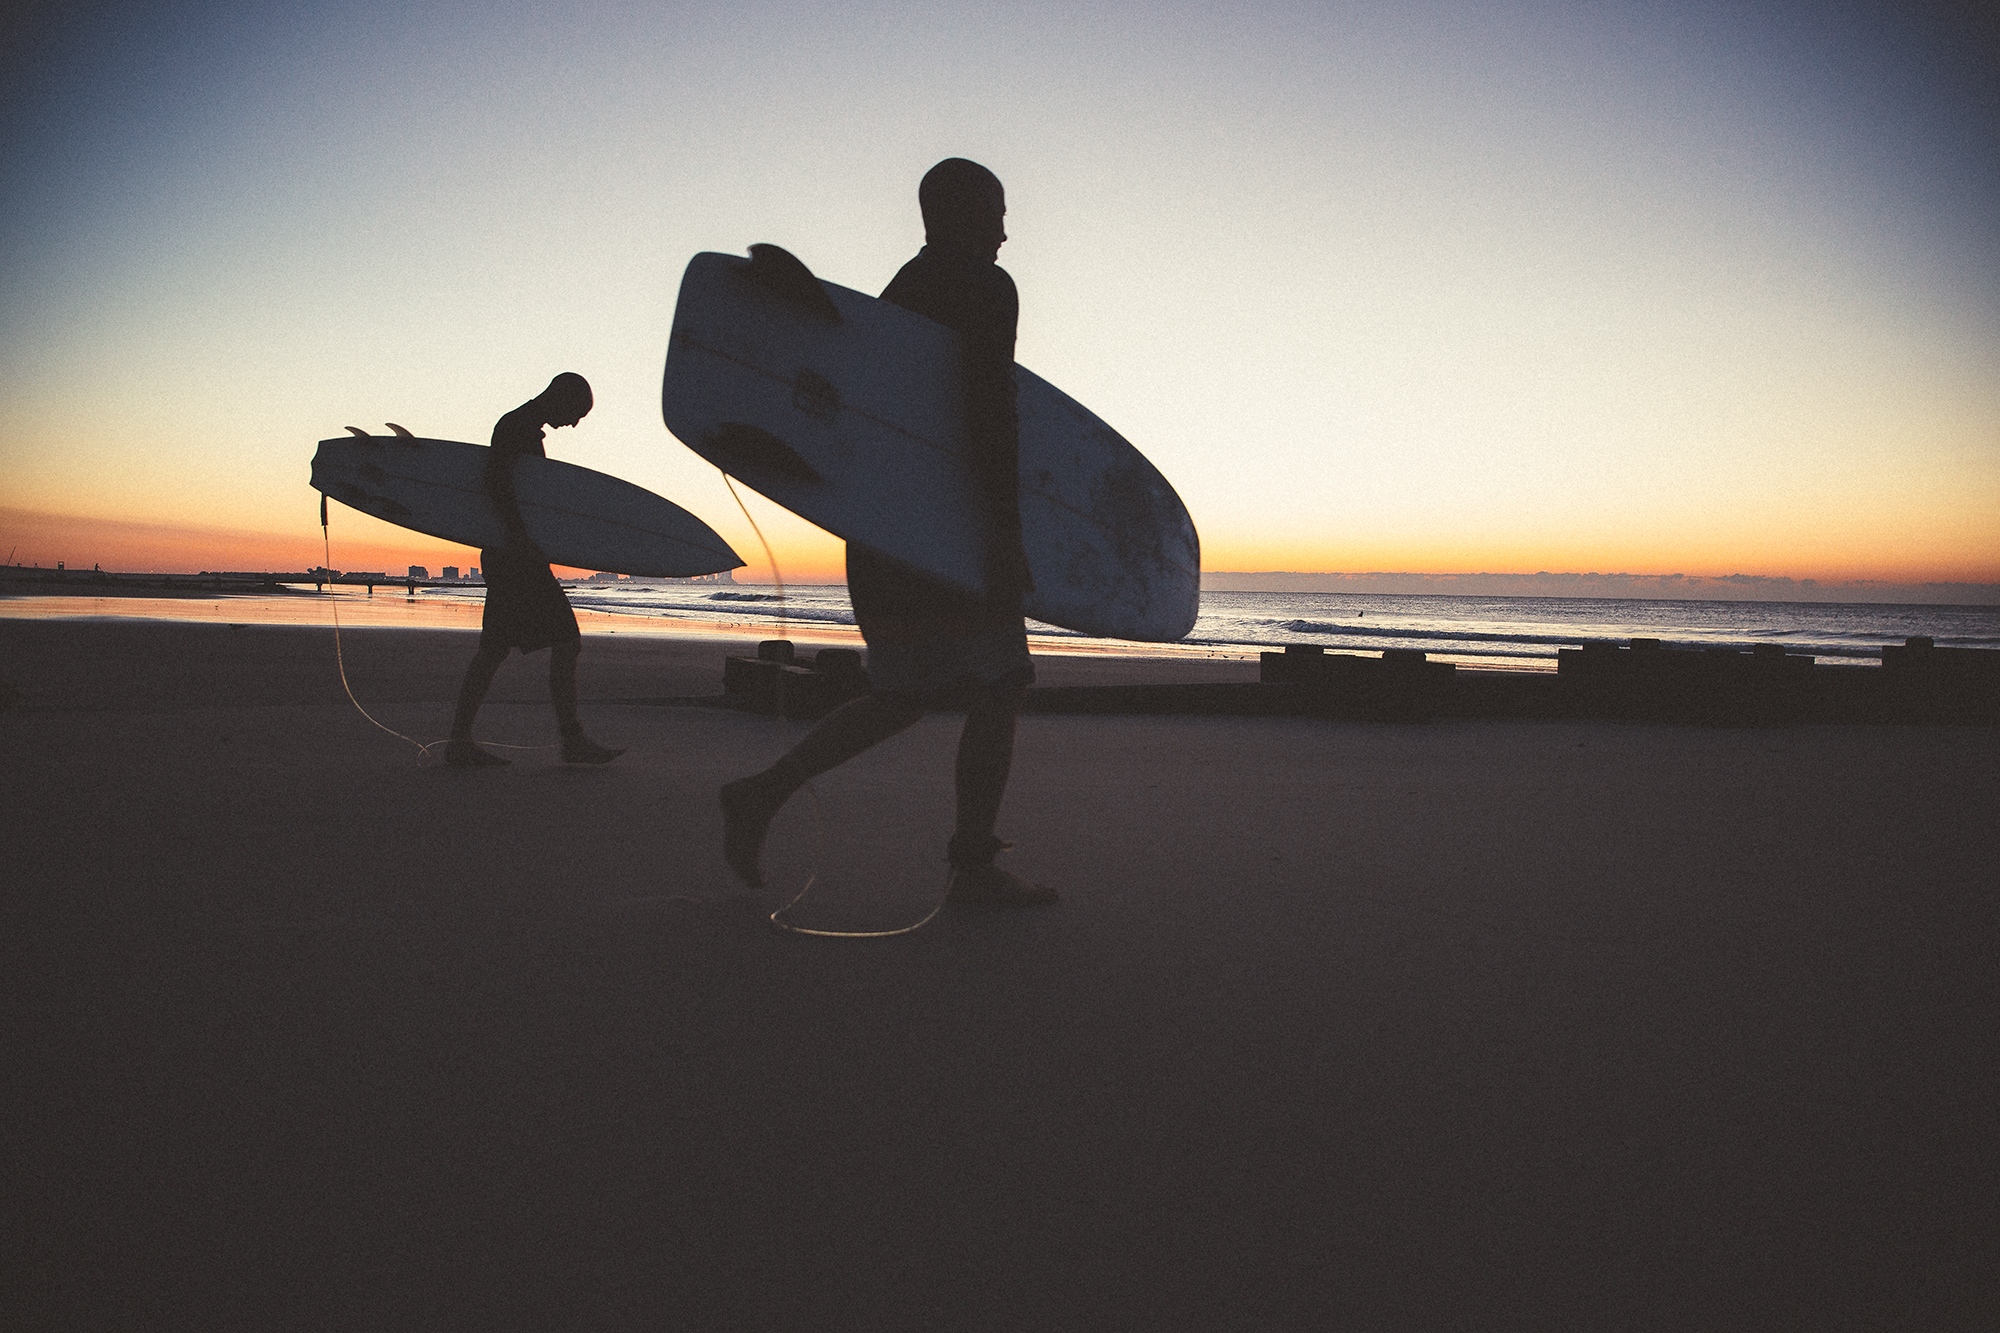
x: 1350, y: 1025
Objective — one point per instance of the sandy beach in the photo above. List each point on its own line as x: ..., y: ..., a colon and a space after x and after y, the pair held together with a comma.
x: 1460, y: 1025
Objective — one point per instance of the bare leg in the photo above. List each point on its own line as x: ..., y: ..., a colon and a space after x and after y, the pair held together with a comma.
x: 471, y: 694
x: 562, y: 686
x: 749, y: 805
x: 985, y: 757
x: 577, y: 747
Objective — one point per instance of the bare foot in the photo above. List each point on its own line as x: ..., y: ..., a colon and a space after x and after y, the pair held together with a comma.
x: 466, y: 754
x: 747, y: 811
x: 584, y: 750
x: 990, y: 886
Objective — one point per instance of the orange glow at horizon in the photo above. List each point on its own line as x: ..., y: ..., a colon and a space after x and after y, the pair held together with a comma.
x: 807, y: 555
x: 357, y: 541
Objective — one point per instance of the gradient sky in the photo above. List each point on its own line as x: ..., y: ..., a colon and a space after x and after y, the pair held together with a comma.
x: 1446, y: 287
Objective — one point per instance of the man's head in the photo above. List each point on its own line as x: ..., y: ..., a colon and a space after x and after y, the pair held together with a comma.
x: 566, y: 401
x: 964, y: 207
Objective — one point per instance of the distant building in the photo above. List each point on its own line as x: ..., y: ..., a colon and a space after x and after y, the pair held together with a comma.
x: 419, y: 572
x: 604, y: 577
x: 449, y: 572
x: 723, y: 577
x: 473, y: 573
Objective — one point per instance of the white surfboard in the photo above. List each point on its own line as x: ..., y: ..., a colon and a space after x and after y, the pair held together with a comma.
x: 848, y: 410
x: 580, y: 518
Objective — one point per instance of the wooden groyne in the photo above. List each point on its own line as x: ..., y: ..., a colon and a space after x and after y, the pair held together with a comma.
x: 1640, y: 681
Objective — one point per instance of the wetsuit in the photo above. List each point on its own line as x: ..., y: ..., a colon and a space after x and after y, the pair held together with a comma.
x: 927, y: 639
x: 525, y: 606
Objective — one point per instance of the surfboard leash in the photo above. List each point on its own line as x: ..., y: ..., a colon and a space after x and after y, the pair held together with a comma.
x: 340, y: 658
x: 819, y: 851
x: 819, y: 821
x: 784, y: 615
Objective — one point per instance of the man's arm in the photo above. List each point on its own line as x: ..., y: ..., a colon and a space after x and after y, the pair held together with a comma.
x: 994, y: 422
x: 499, y: 480
x: 978, y: 303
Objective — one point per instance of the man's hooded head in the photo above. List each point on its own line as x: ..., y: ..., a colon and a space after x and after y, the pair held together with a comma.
x: 964, y: 205
x: 567, y: 400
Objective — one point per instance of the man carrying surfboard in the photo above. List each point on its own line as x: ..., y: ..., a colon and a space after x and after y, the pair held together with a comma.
x: 525, y: 607
x: 929, y: 644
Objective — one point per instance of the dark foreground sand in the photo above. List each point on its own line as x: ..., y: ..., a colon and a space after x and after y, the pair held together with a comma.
x: 1339, y: 1026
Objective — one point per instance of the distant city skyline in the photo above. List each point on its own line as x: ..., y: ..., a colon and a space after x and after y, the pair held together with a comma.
x: 1531, y: 286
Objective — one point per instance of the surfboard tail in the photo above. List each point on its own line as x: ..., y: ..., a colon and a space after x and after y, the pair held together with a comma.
x: 783, y: 272
x: 759, y: 451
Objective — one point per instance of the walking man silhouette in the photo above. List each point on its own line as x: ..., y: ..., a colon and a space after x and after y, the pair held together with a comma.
x: 929, y: 644
x: 525, y: 606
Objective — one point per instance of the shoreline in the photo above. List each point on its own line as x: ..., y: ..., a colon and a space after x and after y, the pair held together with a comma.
x: 396, y: 610
x: 390, y: 608
x: 813, y: 619
x: 1766, y: 686
x: 392, y: 656
x: 637, y: 659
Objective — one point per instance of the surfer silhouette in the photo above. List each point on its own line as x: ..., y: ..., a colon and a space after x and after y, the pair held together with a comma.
x: 929, y: 644
x: 525, y: 606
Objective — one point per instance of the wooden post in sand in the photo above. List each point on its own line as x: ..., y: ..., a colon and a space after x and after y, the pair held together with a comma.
x: 775, y: 683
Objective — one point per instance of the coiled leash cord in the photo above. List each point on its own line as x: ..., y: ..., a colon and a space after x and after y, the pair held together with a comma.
x: 340, y: 657
x: 819, y: 820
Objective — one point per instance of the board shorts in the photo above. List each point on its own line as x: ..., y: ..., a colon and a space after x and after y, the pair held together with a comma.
x: 945, y: 670
x: 525, y: 606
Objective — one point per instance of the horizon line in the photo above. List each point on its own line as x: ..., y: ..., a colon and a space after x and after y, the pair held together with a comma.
x: 1593, y: 574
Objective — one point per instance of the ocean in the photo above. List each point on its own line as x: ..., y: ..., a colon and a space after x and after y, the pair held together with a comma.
x: 1521, y: 633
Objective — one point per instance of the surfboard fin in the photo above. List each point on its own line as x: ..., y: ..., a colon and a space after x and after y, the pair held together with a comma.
x: 758, y: 449
x: 399, y: 430
x: 782, y: 271
x: 356, y: 430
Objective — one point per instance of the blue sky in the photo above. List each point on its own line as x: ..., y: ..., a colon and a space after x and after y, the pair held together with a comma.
x: 1437, y: 287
